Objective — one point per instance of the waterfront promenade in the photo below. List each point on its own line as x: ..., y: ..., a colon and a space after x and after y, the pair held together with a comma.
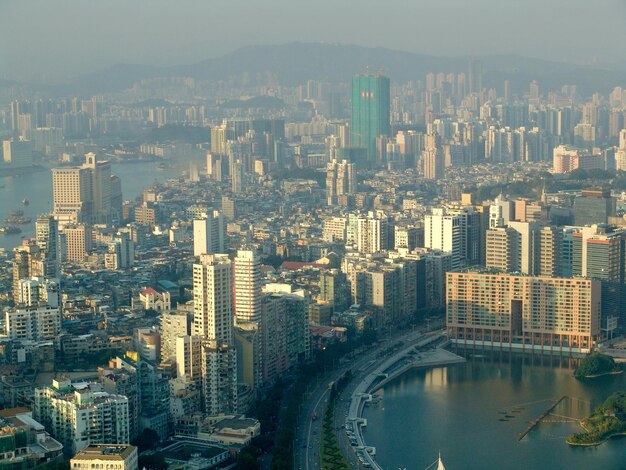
x: 368, y: 380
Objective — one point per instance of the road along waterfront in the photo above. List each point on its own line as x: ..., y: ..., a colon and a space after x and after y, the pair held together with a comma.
x: 418, y: 354
x: 474, y: 412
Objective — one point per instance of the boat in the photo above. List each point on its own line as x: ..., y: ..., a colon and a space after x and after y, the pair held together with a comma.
x: 10, y: 229
x: 25, y: 201
x: 439, y: 464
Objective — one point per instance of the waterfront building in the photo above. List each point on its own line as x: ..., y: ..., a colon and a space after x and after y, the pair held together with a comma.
x: 488, y: 308
x: 18, y: 153
x: 88, y: 193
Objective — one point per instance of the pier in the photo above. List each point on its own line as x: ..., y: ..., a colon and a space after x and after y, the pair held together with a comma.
x: 538, y: 420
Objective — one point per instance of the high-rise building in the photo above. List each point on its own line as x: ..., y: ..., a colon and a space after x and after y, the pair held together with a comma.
x: 88, y: 193
x: 598, y: 252
x: 374, y: 232
x: 340, y: 180
x: 247, y: 286
x: 18, y: 153
x: 47, y: 238
x: 475, y: 74
x: 33, y: 323
x: 370, y: 112
x: 594, y: 206
x: 523, y: 312
x: 77, y: 242
x: 433, y: 158
x: 443, y: 232
x: 78, y: 416
x: 213, y: 323
x: 213, y: 298
x: 209, y: 234
x: 172, y: 325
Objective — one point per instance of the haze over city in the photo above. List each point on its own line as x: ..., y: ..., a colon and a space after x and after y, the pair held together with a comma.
x: 74, y: 37
x: 323, y: 235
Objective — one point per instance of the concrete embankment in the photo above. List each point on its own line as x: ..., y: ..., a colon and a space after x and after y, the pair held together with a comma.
x: 409, y: 357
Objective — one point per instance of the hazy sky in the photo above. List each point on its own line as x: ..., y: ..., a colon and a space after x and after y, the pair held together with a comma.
x: 52, y: 38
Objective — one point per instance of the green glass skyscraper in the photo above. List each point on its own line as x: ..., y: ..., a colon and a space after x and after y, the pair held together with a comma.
x: 370, y: 112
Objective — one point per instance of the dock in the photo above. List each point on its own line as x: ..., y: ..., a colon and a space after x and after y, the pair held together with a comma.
x: 538, y: 420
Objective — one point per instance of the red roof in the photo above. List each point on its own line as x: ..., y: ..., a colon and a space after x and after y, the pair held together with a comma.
x: 149, y: 290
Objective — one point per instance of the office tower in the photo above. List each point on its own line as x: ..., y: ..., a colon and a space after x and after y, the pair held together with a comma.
x: 209, y: 234
x: 374, y: 232
x: 370, y: 112
x: 18, y: 153
x: 247, y: 286
x: 523, y: 312
x: 433, y: 158
x: 340, y: 180
x: 119, y: 457
x: 80, y: 416
x: 475, y: 76
x: 443, y: 232
x: 594, y: 206
x: 47, y: 238
x: 598, y: 253
x: 77, y: 241
x: 88, y: 193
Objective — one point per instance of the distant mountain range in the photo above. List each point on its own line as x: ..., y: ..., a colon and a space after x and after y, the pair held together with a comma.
x: 295, y: 63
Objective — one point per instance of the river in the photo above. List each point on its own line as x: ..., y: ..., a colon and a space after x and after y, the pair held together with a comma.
x: 37, y: 188
x: 473, y: 413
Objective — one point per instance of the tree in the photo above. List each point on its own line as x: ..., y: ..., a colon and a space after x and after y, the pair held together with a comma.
x: 152, y: 462
x: 147, y: 440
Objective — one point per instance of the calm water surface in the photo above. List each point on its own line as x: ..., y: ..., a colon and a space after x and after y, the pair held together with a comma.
x: 458, y: 410
x: 37, y: 188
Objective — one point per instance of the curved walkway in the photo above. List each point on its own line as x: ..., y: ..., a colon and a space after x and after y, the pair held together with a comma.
x: 410, y: 357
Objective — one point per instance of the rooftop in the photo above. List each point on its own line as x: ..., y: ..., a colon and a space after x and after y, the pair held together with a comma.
x: 105, y: 452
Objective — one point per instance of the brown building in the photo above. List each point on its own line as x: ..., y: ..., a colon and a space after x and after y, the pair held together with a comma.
x: 487, y: 308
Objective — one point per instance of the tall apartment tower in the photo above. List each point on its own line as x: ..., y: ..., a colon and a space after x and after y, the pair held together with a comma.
x: 340, y: 180
x: 443, y: 232
x: 433, y: 158
x: 47, y: 239
x: 374, y: 232
x: 247, y: 286
x: 212, y: 298
x: 213, y: 323
x: 209, y: 234
x: 370, y: 112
